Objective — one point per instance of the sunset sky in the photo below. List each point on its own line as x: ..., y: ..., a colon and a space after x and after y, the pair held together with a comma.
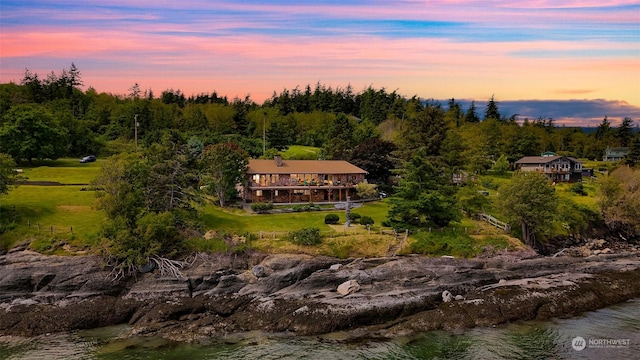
x: 576, y: 61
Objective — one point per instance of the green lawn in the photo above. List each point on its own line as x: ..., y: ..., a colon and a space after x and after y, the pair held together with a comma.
x: 64, y: 171
x: 238, y: 221
x: 299, y: 152
x: 65, y: 208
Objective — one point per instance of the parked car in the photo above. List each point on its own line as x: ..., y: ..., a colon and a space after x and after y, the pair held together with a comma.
x: 382, y: 194
x: 87, y: 159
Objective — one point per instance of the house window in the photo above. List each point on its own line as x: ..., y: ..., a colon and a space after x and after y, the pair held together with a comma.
x: 259, y: 193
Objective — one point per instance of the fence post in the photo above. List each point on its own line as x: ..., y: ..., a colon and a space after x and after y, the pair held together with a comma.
x: 29, y: 223
x: 52, y: 229
x: 38, y: 226
x: 71, y: 229
x: 274, y: 235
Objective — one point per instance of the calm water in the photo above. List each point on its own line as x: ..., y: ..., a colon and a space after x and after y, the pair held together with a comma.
x: 611, y: 333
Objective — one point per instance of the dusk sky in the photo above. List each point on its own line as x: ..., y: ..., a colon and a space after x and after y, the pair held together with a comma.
x: 576, y: 61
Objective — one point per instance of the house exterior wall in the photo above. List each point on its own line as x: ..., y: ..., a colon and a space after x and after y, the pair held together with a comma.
x: 302, y: 183
x: 615, y: 154
x: 561, y: 169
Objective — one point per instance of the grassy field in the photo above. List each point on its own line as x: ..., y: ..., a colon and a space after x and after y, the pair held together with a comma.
x: 50, y: 213
x: 240, y: 221
x: 64, y: 171
x: 299, y: 152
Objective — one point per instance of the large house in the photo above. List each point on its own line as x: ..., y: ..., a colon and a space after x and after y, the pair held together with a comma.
x: 556, y: 168
x: 615, y: 153
x: 301, y: 181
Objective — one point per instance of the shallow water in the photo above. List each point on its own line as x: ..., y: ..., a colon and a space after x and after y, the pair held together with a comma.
x: 610, y: 333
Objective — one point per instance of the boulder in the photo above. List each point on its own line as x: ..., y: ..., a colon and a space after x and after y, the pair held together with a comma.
x: 348, y: 287
x: 258, y: 271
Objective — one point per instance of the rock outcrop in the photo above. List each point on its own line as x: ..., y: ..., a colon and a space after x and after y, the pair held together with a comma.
x: 224, y: 293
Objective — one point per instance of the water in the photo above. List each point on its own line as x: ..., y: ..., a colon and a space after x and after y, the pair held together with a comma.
x: 610, y: 333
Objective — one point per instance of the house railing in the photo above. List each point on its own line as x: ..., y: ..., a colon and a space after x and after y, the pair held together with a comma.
x: 287, y: 183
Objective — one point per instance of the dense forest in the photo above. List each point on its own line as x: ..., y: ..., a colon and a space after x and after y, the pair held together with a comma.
x: 413, y: 147
x: 72, y: 122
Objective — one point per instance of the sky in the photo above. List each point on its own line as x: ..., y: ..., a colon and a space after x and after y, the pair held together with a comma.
x: 576, y: 61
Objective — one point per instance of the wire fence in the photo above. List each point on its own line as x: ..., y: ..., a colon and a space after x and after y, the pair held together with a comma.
x: 9, y: 218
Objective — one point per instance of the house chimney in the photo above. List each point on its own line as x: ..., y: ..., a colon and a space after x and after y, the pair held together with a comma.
x: 278, y: 160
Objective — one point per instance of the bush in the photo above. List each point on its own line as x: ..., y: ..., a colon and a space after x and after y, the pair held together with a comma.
x: 309, y: 207
x: 366, y: 220
x: 260, y: 207
x: 578, y: 189
x: 331, y: 219
x: 355, y: 217
x: 305, y: 236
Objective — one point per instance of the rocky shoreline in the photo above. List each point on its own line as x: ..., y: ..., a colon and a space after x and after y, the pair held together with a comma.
x: 217, y: 294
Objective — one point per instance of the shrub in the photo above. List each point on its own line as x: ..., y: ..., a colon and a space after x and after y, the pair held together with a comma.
x: 309, y: 207
x: 366, y: 220
x: 355, y: 217
x: 578, y: 189
x: 305, y: 236
x: 260, y: 207
x: 331, y: 219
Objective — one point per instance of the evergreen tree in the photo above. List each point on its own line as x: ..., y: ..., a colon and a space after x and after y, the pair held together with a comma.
x: 374, y: 156
x: 424, y: 196
x: 530, y: 200
x: 492, y: 112
x: 633, y: 157
x: 454, y: 115
x: 604, y: 129
x: 624, y: 133
x: 426, y: 130
x: 340, y: 140
x: 471, y: 116
x: 279, y: 134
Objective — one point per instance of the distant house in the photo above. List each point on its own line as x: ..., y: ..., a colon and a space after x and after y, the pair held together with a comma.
x: 615, y: 153
x: 301, y: 181
x: 556, y: 168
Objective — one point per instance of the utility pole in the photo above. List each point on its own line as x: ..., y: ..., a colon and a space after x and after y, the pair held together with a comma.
x: 264, y: 133
x: 135, y: 130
